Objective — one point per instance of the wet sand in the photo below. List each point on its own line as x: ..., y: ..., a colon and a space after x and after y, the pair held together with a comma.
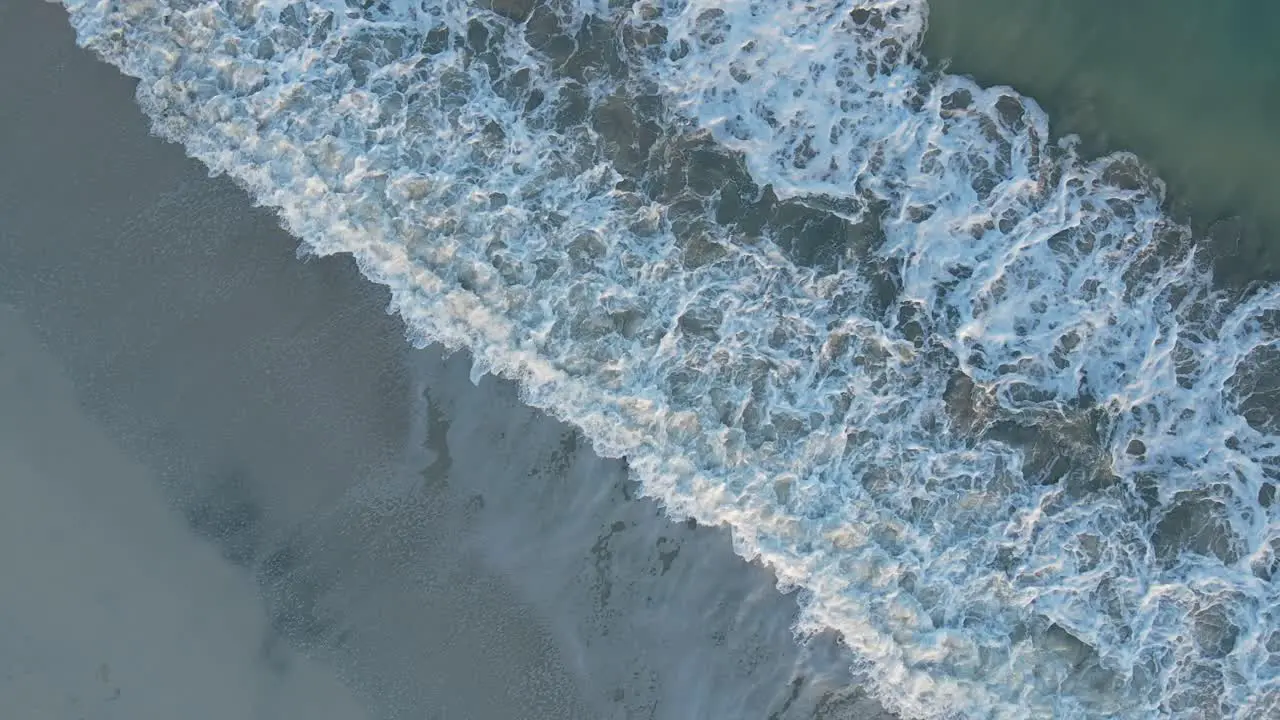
x: 101, y: 618
x: 254, y: 453
x: 1193, y: 88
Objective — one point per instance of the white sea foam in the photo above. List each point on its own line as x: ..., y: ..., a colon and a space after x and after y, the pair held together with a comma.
x: 897, y: 460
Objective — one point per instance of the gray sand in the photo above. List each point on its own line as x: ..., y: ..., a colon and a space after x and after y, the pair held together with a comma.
x: 258, y: 459
x: 109, y: 608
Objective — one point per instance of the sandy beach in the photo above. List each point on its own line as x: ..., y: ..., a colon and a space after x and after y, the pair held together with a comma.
x: 251, y: 391
x: 975, y: 398
x: 232, y: 488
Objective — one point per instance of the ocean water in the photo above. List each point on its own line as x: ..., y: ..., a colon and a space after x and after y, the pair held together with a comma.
x: 1189, y: 86
x: 973, y: 395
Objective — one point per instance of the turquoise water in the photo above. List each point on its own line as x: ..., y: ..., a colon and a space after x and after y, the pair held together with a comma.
x: 1192, y: 87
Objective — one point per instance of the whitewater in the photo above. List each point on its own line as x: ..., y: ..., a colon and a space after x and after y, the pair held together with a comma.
x: 973, y: 396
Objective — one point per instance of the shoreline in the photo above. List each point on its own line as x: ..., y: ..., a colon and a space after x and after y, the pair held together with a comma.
x: 283, y: 413
x: 260, y: 392
x: 286, y: 416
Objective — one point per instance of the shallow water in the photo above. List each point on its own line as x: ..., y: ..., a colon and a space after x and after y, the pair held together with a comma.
x: 1191, y: 87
